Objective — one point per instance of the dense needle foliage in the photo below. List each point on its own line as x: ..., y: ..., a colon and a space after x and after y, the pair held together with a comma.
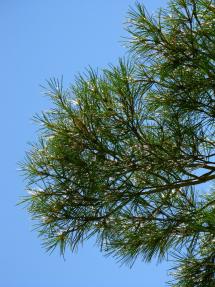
x: 124, y: 155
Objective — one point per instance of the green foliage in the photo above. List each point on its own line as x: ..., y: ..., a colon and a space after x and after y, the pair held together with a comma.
x: 123, y: 155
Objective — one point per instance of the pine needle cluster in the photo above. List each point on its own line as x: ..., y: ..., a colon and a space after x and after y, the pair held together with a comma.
x: 127, y: 155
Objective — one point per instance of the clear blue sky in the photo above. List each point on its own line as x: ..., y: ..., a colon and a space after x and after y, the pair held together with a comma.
x: 41, y: 39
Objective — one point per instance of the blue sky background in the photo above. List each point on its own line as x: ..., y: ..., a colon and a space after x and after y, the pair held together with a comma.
x: 42, y: 39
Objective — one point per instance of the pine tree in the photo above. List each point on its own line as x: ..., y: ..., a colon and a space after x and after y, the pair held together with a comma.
x: 126, y: 155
